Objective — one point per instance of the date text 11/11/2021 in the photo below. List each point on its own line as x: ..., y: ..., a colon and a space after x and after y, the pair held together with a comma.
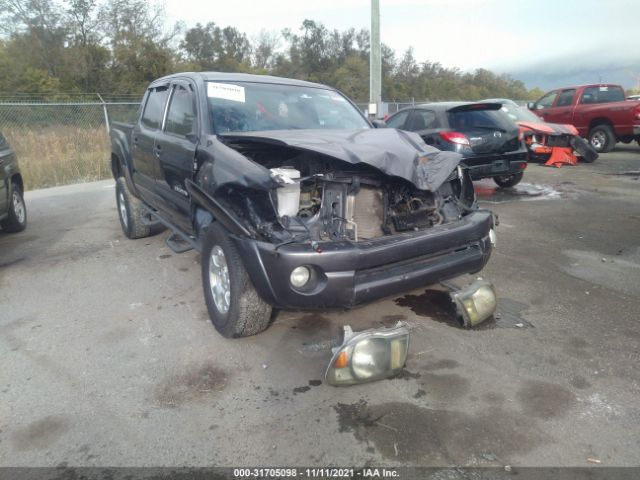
x: 316, y: 472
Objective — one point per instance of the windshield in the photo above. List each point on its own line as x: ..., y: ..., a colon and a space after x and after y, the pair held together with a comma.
x: 251, y: 107
x: 520, y: 114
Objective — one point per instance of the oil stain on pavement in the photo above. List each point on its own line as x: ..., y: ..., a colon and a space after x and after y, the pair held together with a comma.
x: 545, y: 400
x: 445, y: 386
x: 196, y: 383
x: 437, y: 305
x: 41, y: 433
x: 409, y: 433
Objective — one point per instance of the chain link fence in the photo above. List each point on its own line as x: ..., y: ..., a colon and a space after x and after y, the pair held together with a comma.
x: 63, y: 139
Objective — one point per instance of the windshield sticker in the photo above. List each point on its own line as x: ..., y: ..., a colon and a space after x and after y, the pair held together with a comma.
x: 225, y: 91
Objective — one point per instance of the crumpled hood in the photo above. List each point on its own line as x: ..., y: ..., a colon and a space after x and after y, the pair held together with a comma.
x: 393, y: 152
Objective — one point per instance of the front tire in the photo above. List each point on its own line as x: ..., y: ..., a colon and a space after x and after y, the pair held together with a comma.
x: 508, y: 181
x: 602, y: 139
x: 130, y: 212
x: 234, y: 306
x: 16, y: 221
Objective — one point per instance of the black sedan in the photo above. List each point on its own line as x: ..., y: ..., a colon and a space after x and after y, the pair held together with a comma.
x: 488, y: 139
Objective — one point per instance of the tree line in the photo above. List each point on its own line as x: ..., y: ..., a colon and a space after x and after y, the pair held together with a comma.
x: 56, y: 47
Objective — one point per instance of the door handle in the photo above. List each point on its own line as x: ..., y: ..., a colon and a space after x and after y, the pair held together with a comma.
x: 158, y: 150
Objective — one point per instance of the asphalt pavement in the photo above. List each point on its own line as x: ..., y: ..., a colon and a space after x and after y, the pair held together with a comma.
x: 109, y: 359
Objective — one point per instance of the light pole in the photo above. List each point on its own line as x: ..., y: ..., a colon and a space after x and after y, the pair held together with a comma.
x: 375, y: 63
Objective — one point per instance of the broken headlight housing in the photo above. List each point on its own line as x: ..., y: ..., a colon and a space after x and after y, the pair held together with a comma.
x: 369, y: 355
x: 476, y: 302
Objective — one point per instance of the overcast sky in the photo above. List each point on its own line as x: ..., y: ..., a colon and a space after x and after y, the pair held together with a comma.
x: 503, y: 35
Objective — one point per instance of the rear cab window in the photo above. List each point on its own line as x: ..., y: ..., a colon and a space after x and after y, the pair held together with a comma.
x: 602, y: 94
x: 154, y: 107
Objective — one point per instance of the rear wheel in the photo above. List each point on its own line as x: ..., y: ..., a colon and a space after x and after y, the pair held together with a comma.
x: 16, y: 221
x: 507, y: 181
x: 234, y: 306
x: 130, y: 212
x: 602, y: 139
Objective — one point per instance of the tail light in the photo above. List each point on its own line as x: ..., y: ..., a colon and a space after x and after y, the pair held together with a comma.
x: 523, y: 165
x: 455, y: 137
x: 638, y: 112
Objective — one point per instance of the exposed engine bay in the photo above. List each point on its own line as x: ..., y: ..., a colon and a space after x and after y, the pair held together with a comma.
x: 325, y: 199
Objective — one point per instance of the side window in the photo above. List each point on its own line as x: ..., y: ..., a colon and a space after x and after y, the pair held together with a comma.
x: 547, y: 100
x: 422, y: 120
x: 181, y: 118
x: 398, y: 120
x: 566, y: 97
x: 3, y: 142
x: 154, y: 108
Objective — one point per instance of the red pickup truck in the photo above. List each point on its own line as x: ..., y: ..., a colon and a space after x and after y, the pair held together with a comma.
x: 600, y: 112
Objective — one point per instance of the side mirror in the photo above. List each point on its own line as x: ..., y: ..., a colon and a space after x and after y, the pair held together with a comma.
x: 379, y: 123
x: 531, y: 105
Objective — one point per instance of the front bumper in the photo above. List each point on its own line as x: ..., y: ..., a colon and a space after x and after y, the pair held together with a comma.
x: 349, y: 273
x: 496, y: 165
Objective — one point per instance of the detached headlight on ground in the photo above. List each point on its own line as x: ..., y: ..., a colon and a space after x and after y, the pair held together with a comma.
x: 475, y: 303
x: 369, y: 355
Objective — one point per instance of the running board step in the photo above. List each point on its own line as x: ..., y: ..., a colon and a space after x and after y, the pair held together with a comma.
x: 178, y: 243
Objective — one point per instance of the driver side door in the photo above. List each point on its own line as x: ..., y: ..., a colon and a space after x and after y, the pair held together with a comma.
x: 175, y: 153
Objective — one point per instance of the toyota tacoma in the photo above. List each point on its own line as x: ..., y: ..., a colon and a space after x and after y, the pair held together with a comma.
x: 292, y: 197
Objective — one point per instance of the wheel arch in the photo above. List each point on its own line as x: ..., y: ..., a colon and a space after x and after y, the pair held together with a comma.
x: 116, y: 166
x: 601, y: 121
x: 17, y: 178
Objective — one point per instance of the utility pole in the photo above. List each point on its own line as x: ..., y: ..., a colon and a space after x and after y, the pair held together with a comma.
x: 375, y: 63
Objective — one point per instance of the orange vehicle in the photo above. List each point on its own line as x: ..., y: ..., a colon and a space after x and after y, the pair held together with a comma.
x: 550, y: 143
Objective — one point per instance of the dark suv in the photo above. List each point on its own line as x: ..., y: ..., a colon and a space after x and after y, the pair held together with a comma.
x: 13, y: 213
x: 487, y: 138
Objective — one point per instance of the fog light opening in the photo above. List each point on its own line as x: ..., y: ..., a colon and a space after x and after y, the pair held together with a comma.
x: 300, y: 276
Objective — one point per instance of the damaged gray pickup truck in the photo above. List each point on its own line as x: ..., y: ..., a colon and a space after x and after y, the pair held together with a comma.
x: 292, y: 197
